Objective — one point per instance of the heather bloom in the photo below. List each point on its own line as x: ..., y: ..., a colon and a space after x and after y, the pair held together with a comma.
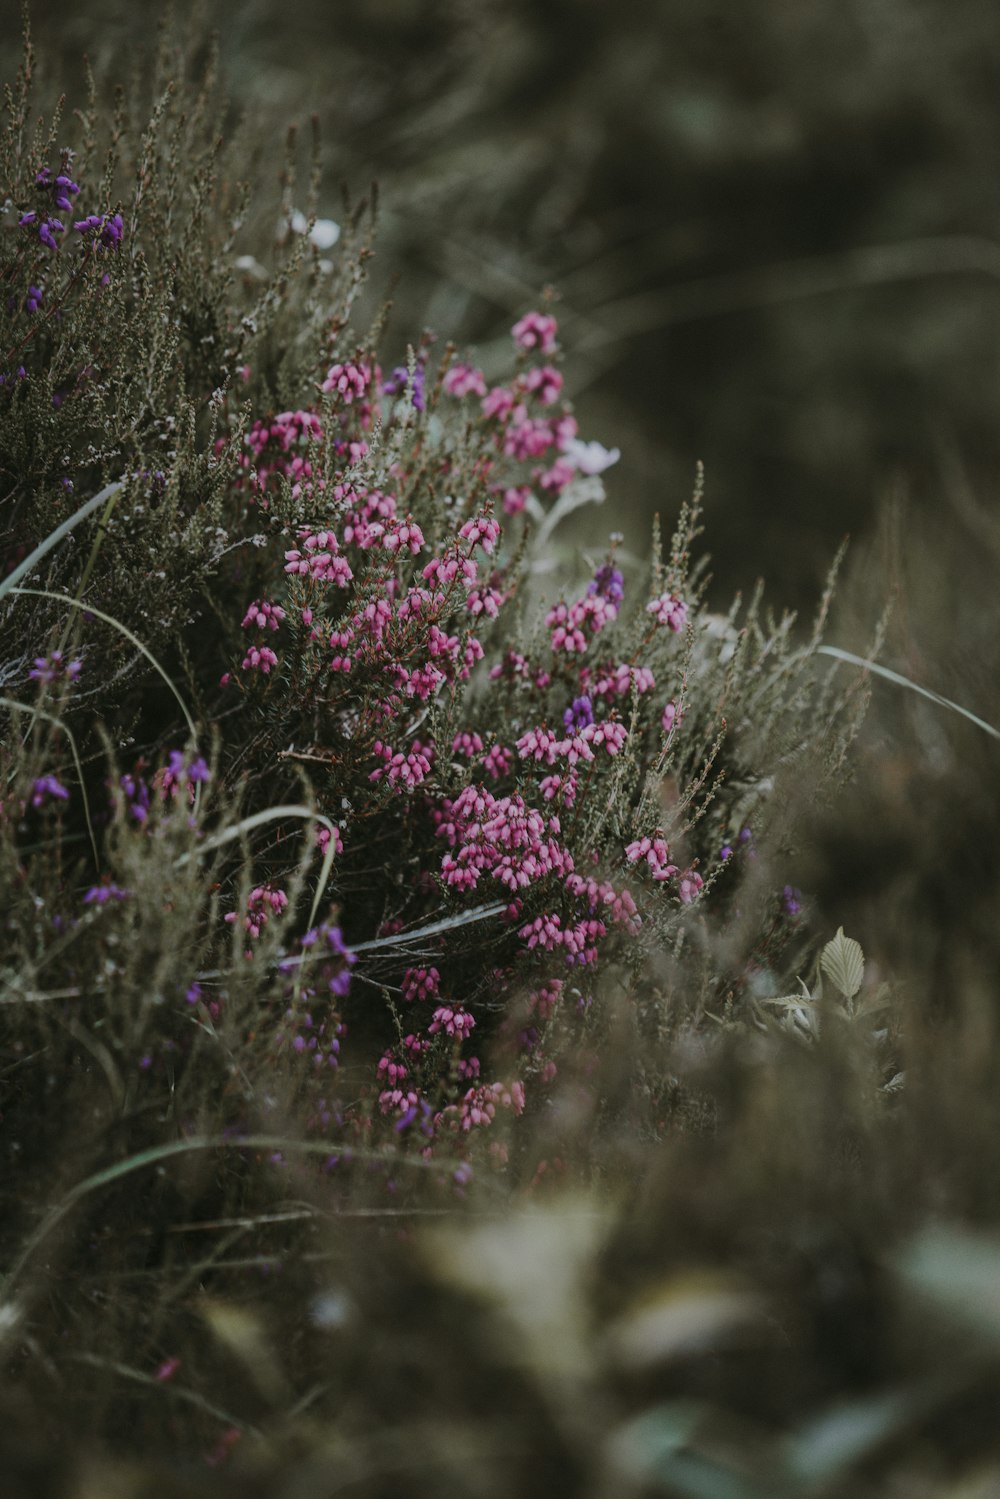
x: 403, y: 772
x: 399, y: 380
x: 348, y: 381
x: 544, y: 382
x: 47, y: 227
x: 54, y: 668
x: 455, y: 1022
x: 464, y: 380
x: 259, y: 658
x: 609, y: 583
x: 670, y: 718
x: 515, y: 499
x: 536, y: 330
x: 105, y: 232
x: 47, y: 787
x: 653, y: 852
x: 791, y: 900
x: 467, y: 744
x: 481, y: 530
x: 263, y: 615
x: 184, y: 771
x: 669, y: 610
x: 136, y: 796
x: 420, y: 983
x: 33, y: 300
x: 100, y: 895
x: 262, y: 903
x: 580, y: 715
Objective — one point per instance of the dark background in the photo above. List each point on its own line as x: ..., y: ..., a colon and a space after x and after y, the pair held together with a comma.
x: 773, y: 226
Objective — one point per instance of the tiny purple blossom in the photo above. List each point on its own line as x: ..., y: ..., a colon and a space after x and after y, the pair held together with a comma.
x: 48, y: 786
x: 107, y: 890
x: 608, y: 583
x: 52, y: 668
x: 580, y: 715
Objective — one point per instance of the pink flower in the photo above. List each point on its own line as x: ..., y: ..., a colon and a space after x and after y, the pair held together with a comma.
x: 420, y: 983
x: 671, y: 718
x: 536, y: 330
x: 323, y: 840
x: 669, y: 610
x: 349, y: 381
x: 498, y: 761
x: 454, y: 1022
x: 515, y: 499
x: 498, y: 403
x: 464, y: 380
x: 259, y: 658
x: 481, y: 530
x: 403, y: 536
x: 467, y: 744
x: 484, y: 601
x: 545, y: 382
x: 263, y: 615
x: 538, y: 744
x: 655, y: 853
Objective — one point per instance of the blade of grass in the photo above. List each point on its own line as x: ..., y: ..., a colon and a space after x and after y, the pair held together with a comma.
x: 63, y: 598
x: 901, y: 681
x: 260, y: 819
x: 159, y: 1153
x: 9, y: 702
x: 10, y: 582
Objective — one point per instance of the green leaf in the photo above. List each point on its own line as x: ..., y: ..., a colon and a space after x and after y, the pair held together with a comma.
x: 843, y: 962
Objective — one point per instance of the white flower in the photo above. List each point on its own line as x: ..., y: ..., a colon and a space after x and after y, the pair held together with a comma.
x: 324, y: 233
x: 589, y: 457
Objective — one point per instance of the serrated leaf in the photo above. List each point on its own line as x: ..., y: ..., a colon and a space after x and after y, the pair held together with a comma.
x: 843, y: 962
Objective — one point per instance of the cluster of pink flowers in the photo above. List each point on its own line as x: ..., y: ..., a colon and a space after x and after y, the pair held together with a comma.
x: 263, y: 902
x: 396, y: 612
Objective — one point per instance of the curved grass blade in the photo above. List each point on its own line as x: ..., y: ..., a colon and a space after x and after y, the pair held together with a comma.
x: 63, y: 598
x: 9, y: 584
x: 901, y: 681
x: 260, y: 819
x: 158, y: 1153
x: 9, y: 702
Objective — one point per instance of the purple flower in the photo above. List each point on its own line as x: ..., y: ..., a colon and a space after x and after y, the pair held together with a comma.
x: 62, y: 189
x: 106, y: 231
x: 33, y: 300
x: 99, y: 895
x: 48, y: 227
x: 137, y: 795
x: 608, y: 583
x: 791, y: 899
x: 400, y: 379
x: 52, y: 668
x: 180, y: 771
x: 48, y: 786
x: 580, y: 715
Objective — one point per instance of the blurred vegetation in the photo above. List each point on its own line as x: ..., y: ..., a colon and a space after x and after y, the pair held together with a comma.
x: 773, y: 226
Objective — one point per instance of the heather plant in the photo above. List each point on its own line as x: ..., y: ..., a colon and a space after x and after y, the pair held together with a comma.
x: 370, y: 853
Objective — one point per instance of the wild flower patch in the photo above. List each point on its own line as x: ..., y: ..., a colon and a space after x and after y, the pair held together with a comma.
x: 521, y: 789
x: 338, y: 827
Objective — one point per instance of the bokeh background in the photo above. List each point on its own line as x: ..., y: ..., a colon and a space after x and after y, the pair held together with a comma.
x: 774, y: 232
x: 773, y: 226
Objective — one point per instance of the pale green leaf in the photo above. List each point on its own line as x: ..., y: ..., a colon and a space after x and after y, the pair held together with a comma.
x: 843, y: 962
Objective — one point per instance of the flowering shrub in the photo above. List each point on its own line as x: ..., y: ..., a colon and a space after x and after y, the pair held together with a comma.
x: 334, y: 819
